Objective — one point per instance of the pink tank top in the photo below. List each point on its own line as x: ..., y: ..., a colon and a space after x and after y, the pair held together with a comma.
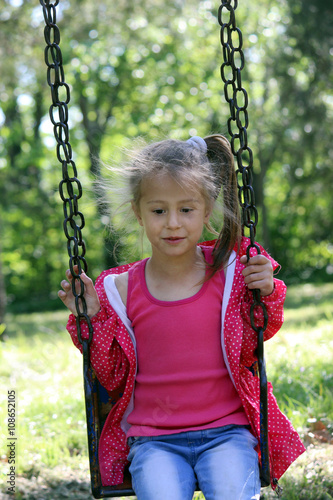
x: 182, y: 381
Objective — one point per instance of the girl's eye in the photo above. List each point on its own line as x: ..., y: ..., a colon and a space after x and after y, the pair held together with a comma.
x: 158, y: 211
x: 187, y: 210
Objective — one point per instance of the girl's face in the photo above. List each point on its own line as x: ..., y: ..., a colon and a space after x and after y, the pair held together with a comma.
x: 172, y: 215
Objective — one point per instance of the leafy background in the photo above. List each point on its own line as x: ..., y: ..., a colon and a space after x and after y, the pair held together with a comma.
x: 152, y: 69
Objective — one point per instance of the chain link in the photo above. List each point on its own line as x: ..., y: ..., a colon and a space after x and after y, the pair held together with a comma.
x: 237, y: 98
x: 70, y: 188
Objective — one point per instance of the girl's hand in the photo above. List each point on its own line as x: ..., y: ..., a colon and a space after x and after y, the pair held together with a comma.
x: 90, y: 294
x: 258, y: 273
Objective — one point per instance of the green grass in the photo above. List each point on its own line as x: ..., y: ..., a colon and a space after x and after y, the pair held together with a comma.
x: 299, y: 357
x: 38, y: 361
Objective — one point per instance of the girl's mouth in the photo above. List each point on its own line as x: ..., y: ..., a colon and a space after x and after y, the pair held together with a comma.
x: 173, y: 239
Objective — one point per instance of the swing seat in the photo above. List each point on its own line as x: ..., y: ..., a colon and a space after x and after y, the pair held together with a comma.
x: 99, y: 402
x: 98, y: 405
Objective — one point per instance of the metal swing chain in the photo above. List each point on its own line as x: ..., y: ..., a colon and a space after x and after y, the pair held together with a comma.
x: 70, y: 188
x: 237, y: 98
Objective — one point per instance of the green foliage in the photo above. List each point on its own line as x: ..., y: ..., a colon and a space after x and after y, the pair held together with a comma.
x: 304, y: 388
x: 46, y: 403
x: 153, y: 70
x: 294, y: 146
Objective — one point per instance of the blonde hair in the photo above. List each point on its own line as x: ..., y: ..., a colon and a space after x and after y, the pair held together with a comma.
x: 222, y: 161
x: 207, y: 171
x: 193, y: 167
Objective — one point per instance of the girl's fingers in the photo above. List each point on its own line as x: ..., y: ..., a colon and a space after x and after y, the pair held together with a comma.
x: 254, y: 277
x: 257, y: 264
x: 83, y: 275
x: 65, y: 285
x: 69, y: 274
x: 243, y: 259
x: 258, y: 273
x: 257, y: 283
x: 258, y: 259
x: 67, y: 295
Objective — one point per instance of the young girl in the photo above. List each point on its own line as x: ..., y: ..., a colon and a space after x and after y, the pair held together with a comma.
x: 173, y: 333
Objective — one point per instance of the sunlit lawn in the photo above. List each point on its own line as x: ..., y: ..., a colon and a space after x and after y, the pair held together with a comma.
x: 39, y: 362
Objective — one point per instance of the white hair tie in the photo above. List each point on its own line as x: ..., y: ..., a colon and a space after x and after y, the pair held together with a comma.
x: 198, y: 143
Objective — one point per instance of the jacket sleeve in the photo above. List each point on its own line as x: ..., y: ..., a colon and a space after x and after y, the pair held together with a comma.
x: 274, y: 306
x: 107, y: 355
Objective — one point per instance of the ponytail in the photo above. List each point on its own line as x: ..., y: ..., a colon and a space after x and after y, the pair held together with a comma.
x: 222, y: 163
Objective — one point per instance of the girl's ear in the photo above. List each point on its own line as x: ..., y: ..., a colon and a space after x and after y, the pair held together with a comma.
x: 136, y: 213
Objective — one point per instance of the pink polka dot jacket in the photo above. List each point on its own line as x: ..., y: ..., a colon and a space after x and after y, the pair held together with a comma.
x: 113, y: 357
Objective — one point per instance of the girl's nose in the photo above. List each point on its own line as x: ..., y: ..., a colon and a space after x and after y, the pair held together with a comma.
x: 173, y: 220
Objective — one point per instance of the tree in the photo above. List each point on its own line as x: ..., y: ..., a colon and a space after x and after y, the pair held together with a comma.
x: 151, y: 69
x: 300, y: 173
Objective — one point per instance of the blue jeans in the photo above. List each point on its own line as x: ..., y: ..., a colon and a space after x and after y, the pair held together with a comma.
x: 221, y: 461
